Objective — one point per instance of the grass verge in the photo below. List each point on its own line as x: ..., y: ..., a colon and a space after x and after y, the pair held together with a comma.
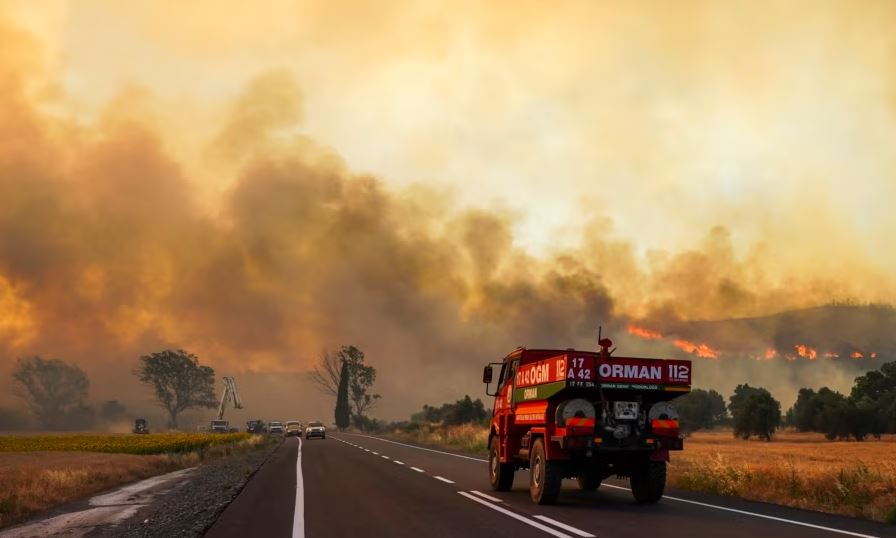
x: 33, y: 482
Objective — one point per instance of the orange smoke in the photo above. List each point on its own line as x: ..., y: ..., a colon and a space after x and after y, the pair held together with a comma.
x: 646, y: 334
x: 806, y: 351
x: 701, y: 350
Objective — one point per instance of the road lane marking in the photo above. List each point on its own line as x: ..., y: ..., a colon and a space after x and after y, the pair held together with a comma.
x: 385, y: 457
x: 755, y: 514
x: 398, y: 462
x: 365, y: 450
x: 518, y: 517
x: 419, y: 470
x: 375, y: 453
x: 564, y: 526
x: 484, y: 496
x: 298, y: 517
x: 445, y: 480
x: 421, y: 448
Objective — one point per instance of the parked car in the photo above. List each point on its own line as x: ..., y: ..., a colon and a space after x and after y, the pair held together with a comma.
x: 316, y: 429
x: 293, y: 427
x: 275, y: 426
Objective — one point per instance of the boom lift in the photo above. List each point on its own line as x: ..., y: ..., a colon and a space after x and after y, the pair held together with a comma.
x: 231, y: 394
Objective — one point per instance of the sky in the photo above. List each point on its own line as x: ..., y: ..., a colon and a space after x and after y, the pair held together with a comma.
x: 256, y: 182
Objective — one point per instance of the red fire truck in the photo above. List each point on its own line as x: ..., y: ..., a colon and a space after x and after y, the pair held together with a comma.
x: 584, y: 415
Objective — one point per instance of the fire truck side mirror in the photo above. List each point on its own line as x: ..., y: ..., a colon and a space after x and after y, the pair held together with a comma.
x: 487, y: 375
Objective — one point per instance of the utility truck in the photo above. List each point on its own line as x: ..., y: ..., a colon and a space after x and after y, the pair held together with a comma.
x: 230, y: 395
x: 584, y: 415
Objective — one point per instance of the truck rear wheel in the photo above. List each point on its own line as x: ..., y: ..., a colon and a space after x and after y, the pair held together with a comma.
x: 545, y: 476
x: 648, y: 481
x: 500, y: 474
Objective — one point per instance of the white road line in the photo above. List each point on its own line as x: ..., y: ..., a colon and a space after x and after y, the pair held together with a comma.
x: 419, y: 470
x: 445, y: 480
x: 298, y: 514
x: 564, y: 526
x: 398, y: 462
x: 385, y: 457
x: 518, y: 517
x: 484, y: 496
x: 754, y: 514
x: 365, y: 450
x: 420, y: 448
x: 375, y: 453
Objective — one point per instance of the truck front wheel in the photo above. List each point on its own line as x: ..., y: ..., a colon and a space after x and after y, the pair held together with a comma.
x: 545, y: 477
x: 648, y: 481
x: 500, y: 474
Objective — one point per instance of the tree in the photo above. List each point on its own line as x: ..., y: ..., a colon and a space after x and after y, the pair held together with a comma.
x: 460, y: 412
x: 327, y: 373
x: 54, y: 391
x: 755, y: 412
x: 326, y: 376
x: 700, y: 409
x: 179, y: 381
x: 343, y: 414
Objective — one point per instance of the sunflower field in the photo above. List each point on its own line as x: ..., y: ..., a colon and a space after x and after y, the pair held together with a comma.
x: 157, y: 443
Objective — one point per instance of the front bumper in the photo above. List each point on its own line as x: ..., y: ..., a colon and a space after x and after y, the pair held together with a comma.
x: 315, y: 434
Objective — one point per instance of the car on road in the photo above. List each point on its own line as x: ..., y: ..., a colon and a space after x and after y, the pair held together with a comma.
x: 275, y: 426
x: 316, y: 429
x: 293, y: 427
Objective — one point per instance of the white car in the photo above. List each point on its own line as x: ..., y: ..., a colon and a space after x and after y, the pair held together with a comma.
x: 315, y: 429
x: 275, y: 426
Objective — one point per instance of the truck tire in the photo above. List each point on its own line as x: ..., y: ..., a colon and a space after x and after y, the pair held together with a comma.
x: 545, y: 477
x: 588, y: 480
x: 648, y: 481
x: 499, y: 474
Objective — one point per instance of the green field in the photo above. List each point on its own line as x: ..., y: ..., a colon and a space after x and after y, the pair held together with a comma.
x: 158, y: 443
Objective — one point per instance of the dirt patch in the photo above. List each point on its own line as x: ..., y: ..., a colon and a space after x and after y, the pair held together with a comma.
x: 190, y: 509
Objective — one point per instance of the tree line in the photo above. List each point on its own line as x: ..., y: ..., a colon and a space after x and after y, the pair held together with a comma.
x: 55, y: 392
x: 869, y: 409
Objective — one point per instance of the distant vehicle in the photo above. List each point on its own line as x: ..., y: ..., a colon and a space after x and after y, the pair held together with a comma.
x: 316, y: 429
x: 230, y: 395
x: 256, y: 426
x: 141, y: 426
x: 293, y: 427
x: 220, y: 426
x: 275, y: 426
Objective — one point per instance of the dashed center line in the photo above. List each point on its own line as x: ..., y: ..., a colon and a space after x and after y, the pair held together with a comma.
x: 488, y: 497
x: 385, y: 457
x: 419, y: 470
x: 398, y: 462
x: 516, y: 516
x: 445, y: 480
x: 564, y: 526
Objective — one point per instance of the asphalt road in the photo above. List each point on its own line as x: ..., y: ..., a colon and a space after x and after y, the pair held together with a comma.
x: 353, y: 485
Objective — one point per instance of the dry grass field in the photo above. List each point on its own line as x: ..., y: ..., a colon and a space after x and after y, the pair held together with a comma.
x: 803, y: 470
x: 39, y: 472
x: 31, y: 482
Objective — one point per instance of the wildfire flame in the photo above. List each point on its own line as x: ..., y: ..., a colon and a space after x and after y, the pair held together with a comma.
x: 770, y: 353
x: 806, y: 351
x: 832, y: 355
x: 701, y: 350
x: 644, y: 333
x: 856, y: 355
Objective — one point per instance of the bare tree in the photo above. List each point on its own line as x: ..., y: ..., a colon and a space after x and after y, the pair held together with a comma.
x: 326, y: 372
